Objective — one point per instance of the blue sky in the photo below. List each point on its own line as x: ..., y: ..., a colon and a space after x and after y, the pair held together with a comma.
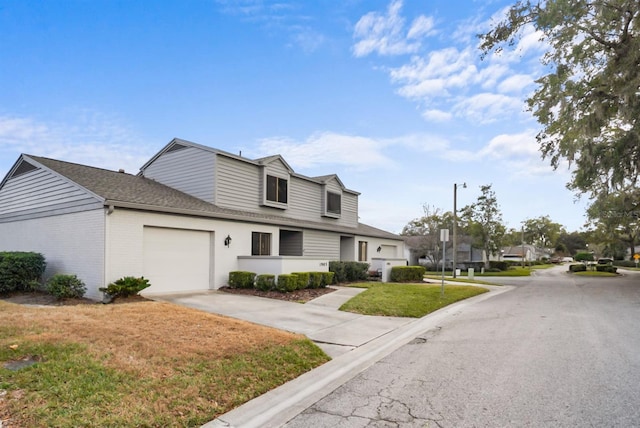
x: 390, y: 95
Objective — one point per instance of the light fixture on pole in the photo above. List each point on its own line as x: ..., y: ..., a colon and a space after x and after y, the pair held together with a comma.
x: 455, y: 225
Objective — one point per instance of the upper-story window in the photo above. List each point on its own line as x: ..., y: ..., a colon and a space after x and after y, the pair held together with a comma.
x: 334, y: 203
x: 277, y: 189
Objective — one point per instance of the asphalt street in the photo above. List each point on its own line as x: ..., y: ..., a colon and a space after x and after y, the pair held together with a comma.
x: 557, y: 351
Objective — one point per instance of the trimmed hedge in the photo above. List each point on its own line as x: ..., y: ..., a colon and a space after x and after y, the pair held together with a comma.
x: 63, y: 286
x: 583, y: 257
x: 624, y: 263
x: 606, y: 268
x: 266, y: 282
x: 577, y: 268
x: 500, y: 265
x: 303, y: 279
x: 348, y: 271
x: 407, y: 274
x: 241, y: 279
x: 20, y: 271
x: 287, y: 282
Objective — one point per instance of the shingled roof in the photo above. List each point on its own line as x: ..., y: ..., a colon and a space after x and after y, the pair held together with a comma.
x: 132, y: 191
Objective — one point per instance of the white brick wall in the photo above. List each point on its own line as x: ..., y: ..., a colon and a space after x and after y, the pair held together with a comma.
x: 71, y: 244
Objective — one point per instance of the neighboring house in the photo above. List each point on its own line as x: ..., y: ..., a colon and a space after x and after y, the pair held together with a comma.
x: 191, y: 215
x: 515, y: 253
x: 466, y: 257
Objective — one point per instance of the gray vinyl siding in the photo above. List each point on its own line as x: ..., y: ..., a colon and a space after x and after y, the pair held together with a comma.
x: 322, y: 244
x: 349, y: 216
x: 304, y: 200
x: 40, y: 193
x: 238, y: 185
x: 190, y: 170
x: 278, y: 169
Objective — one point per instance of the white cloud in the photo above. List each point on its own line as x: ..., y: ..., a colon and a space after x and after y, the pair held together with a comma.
x: 421, y: 26
x: 384, y: 34
x: 515, y: 83
x: 487, y: 107
x: 327, y: 148
x: 435, y: 115
x: 356, y: 152
x: 523, y: 144
x: 93, y: 139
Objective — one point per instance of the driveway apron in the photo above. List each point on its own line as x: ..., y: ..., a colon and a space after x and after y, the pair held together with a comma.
x: 334, y: 331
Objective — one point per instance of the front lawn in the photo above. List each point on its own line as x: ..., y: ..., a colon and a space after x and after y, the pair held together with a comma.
x: 406, y: 300
x: 137, y: 364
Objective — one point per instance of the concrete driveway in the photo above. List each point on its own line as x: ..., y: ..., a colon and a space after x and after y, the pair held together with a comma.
x: 335, y: 332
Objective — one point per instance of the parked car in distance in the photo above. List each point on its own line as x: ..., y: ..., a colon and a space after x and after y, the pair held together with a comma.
x: 567, y: 259
x: 605, y: 261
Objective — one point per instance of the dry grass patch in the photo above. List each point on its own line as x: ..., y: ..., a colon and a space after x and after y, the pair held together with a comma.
x: 138, y: 364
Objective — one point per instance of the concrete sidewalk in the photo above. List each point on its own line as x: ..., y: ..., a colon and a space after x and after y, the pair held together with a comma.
x: 355, y: 342
x: 335, y: 332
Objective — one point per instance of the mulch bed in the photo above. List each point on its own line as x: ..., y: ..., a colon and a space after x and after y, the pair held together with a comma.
x: 39, y: 298
x: 291, y: 296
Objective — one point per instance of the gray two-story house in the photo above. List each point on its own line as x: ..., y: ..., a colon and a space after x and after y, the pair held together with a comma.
x: 189, y: 217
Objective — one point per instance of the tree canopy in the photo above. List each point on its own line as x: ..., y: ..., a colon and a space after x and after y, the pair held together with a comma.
x: 485, y: 221
x: 588, y: 103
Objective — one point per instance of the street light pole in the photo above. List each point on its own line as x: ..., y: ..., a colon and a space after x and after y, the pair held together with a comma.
x: 455, y: 225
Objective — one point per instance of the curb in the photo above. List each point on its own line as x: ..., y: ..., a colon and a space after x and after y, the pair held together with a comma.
x: 278, y: 406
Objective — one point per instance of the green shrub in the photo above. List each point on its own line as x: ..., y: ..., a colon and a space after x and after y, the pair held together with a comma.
x: 20, y: 271
x: 326, y: 279
x: 241, y: 279
x: 583, y: 257
x: 287, y: 282
x: 407, y: 274
x: 348, y: 271
x: 606, y: 268
x: 303, y: 280
x: 266, y: 282
x: 64, y: 286
x: 499, y: 265
x: 577, y: 268
x: 315, y: 279
x: 127, y: 286
x: 624, y: 263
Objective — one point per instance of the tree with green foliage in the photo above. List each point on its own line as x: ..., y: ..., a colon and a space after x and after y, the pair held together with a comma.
x: 616, y: 220
x: 588, y: 103
x: 427, y: 230
x: 484, y: 222
x: 572, y: 242
x: 542, y: 232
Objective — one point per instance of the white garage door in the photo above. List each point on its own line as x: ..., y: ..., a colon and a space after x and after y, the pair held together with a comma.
x: 176, y: 260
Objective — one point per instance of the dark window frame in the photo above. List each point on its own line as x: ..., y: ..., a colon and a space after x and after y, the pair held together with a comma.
x: 260, y: 244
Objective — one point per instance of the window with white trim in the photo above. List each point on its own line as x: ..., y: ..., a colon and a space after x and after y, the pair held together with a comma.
x: 362, y: 251
x: 334, y: 203
x: 277, y: 189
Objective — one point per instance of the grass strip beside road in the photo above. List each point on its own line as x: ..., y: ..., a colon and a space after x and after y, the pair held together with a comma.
x: 138, y: 364
x: 407, y: 300
x: 434, y: 278
x: 595, y: 273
